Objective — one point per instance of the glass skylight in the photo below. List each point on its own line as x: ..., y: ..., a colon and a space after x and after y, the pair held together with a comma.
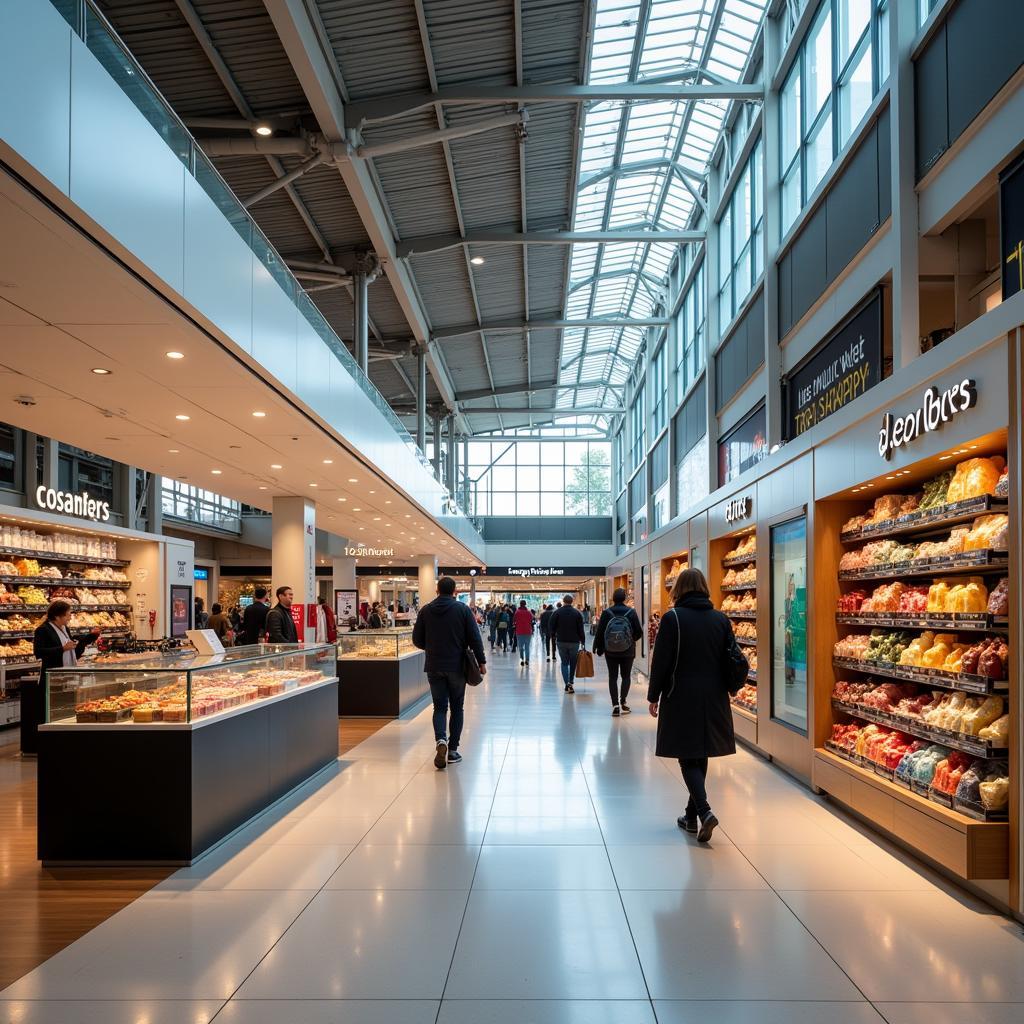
x: 633, y: 156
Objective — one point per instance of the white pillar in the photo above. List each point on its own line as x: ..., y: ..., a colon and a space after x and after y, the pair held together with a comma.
x: 343, y: 570
x: 428, y: 577
x: 293, y: 550
x: 373, y: 590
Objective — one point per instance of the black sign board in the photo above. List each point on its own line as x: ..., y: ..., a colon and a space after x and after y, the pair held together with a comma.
x: 1011, y: 227
x: 744, y: 446
x: 841, y: 369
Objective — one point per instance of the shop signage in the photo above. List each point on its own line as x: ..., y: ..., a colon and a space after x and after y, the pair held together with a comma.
x: 842, y: 369
x: 72, y: 504
x: 1011, y: 228
x: 364, y: 552
x: 201, y: 574
x: 532, y: 571
x: 744, y: 446
x: 739, y: 508
x: 937, y: 409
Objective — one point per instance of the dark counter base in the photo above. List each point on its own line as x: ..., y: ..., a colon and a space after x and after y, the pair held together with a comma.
x: 118, y: 796
x: 381, y: 689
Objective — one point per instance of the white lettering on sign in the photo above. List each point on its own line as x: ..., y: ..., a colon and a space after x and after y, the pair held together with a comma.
x: 370, y: 552
x: 937, y: 408
x: 72, y: 504
x: 534, y: 571
x: 739, y: 508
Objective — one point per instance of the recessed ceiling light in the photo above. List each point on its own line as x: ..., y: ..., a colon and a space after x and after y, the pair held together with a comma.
x: 328, y: 462
x: 408, y: 516
x: 101, y: 371
x: 388, y: 501
x: 313, y: 485
x: 174, y: 451
x: 477, y: 261
x: 175, y: 355
x: 376, y: 519
x: 259, y: 414
x: 263, y: 129
x: 216, y: 472
x: 352, y: 480
x: 276, y: 465
x: 343, y: 499
x: 181, y: 416
x: 263, y: 487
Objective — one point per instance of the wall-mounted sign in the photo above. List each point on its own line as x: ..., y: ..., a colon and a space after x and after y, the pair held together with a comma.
x: 201, y: 574
x: 937, y: 409
x: 72, y: 504
x: 739, y: 508
x: 744, y: 446
x: 840, y: 370
x: 1011, y: 227
x: 534, y: 571
x: 363, y: 552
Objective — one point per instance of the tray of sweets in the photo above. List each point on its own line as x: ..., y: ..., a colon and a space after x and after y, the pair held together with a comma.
x: 729, y: 563
x: 746, y: 641
x: 978, y: 811
x: 741, y: 615
x: 942, y: 799
x: 920, y: 788
x: 942, y: 515
x: 883, y: 771
x: 739, y: 588
x: 966, y: 562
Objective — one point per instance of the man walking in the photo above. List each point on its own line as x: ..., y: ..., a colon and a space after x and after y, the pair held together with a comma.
x: 618, y: 630
x: 446, y: 629
x: 254, y: 619
x: 523, y: 621
x: 567, y: 628
x: 545, y: 632
x: 280, y: 624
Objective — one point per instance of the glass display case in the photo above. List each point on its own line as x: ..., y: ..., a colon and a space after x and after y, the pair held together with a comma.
x: 375, y: 645
x: 181, y: 687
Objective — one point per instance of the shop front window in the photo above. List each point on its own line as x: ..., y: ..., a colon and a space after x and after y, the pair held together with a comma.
x: 789, y: 622
x: 8, y: 456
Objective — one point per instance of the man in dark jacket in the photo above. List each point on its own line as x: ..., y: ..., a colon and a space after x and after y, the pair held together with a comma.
x: 566, y: 627
x: 446, y: 629
x: 280, y: 624
x: 254, y: 620
x: 545, y: 633
x: 618, y: 647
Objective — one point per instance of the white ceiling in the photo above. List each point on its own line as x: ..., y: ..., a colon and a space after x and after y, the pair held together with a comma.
x: 66, y: 307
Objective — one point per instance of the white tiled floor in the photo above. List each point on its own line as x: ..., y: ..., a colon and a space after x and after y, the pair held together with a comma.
x: 543, y: 881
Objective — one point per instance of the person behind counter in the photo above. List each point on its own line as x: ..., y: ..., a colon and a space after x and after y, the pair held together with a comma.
x: 53, y: 644
x: 220, y: 624
x: 280, y: 624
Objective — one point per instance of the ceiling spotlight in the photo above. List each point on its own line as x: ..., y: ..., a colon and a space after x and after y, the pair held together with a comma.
x: 313, y: 485
x: 263, y: 487
x: 175, y: 355
x: 276, y: 465
x: 343, y: 499
x: 174, y: 451
x: 101, y: 371
x: 477, y: 261
x: 376, y: 519
x: 216, y: 472
x: 328, y: 462
x: 181, y: 416
x: 259, y: 414
x: 357, y: 510
x: 352, y: 480
x: 387, y: 501
x: 263, y: 129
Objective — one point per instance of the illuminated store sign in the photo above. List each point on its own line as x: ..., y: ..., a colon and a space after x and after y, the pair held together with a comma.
x: 739, y: 508
x: 842, y: 369
x: 72, y: 504
x: 535, y: 571
x: 937, y: 409
x: 362, y: 552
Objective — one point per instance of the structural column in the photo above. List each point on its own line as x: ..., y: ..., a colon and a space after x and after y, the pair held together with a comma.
x: 436, y: 460
x: 421, y: 400
x: 293, y: 552
x: 428, y: 577
x: 450, y: 466
x: 361, y: 314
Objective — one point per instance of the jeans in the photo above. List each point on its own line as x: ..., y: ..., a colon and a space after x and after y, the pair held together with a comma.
x: 524, y: 640
x: 695, y: 773
x: 514, y: 640
x: 619, y: 665
x: 548, y: 642
x: 492, y: 629
x: 567, y: 656
x: 503, y: 639
x: 448, y: 689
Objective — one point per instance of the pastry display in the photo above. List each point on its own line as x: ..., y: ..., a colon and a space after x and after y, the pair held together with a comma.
x: 746, y: 577
x: 974, y: 478
x: 375, y: 644
x: 745, y: 630
x: 740, y: 603
x: 988, y: 532
x: 15, y: 649
x: 999, y: 599
x: 747, y: 548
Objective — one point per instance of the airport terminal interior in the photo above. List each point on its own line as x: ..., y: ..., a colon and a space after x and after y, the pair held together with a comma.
x: 509, y: 511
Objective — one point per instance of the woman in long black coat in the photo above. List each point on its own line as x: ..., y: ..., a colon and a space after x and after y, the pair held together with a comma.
x: 694, y: 667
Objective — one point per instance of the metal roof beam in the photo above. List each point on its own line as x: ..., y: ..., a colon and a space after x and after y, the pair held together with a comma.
x: 596, y: 410
x: 383, y: 108
x: 551, y: 325
x: 439, y: 243
x: 316, y: 69
x: 433, y: 138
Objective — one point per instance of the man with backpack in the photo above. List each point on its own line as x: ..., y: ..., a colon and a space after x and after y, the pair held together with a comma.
x: 504, y: 624
x: 618, y: 630
x: 545, y: 633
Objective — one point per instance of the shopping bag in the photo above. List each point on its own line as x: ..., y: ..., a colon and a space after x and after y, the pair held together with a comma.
x: 584, y: 664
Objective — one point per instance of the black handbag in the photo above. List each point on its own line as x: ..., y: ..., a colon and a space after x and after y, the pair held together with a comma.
x: 737, y: 668
x: 474, y: 677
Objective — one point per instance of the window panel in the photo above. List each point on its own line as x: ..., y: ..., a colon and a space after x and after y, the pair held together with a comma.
x: 853, y: 21
x: 818, y: 156
x: 855, y: 93
x: 818, y: 64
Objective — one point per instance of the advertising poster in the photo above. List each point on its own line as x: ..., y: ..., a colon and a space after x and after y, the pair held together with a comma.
x: 744, y: 446
x: 181, y: 611
x: 299, y: 618
x: 346, y: 608
x: 840, y: 370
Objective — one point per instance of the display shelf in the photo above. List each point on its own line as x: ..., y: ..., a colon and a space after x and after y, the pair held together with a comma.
x: 18, y: 661
x: 741, y: 560
x: 980, y: 622
x: 52, y: 556
x: 965, y: 681
x: 746, y: 641
x: 27, y: 634
x: 41, y: 609
x: 749, y: 616
x: 919, y: 522
x: 752, y: 676
x: 747, y: 711
x: 910, y: 726
x: 973, y: 562
x: 65, y: 581
x: 969, y: 848
x: 739, y: 588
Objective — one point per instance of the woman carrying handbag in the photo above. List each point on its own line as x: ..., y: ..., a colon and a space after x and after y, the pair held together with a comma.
x: 695, y: 666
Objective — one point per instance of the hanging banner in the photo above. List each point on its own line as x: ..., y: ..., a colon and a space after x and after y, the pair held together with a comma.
x: 838, y: 371
x: 1011, y: 228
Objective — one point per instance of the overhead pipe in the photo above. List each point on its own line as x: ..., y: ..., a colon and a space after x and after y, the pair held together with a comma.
x: 369, y: 151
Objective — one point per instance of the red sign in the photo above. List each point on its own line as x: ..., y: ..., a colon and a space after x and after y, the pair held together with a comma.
x: 299, y: 618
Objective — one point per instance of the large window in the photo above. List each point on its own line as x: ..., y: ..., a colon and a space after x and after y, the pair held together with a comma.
x: 834, y: 78
x: 741, y: 237
x: 637, y: 429
x: 196, y: 505
x: 659, y: 386
x: 9, y: 441
x: 540, y: 478
x: 691, y: 347
x: 79, y: 470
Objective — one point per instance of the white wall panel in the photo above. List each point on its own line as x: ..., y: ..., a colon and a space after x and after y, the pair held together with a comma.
x: 122, y: 173
x: 35, y: 86
x: 313, y: 369
x: 218, y: 267
x: 274, y: 318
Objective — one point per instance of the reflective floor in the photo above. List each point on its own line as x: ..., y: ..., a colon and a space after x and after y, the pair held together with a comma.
x: 542, y: 881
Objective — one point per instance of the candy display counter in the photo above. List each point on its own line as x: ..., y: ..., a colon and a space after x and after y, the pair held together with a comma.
x: 380, y: 673
x: 192, y: 746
